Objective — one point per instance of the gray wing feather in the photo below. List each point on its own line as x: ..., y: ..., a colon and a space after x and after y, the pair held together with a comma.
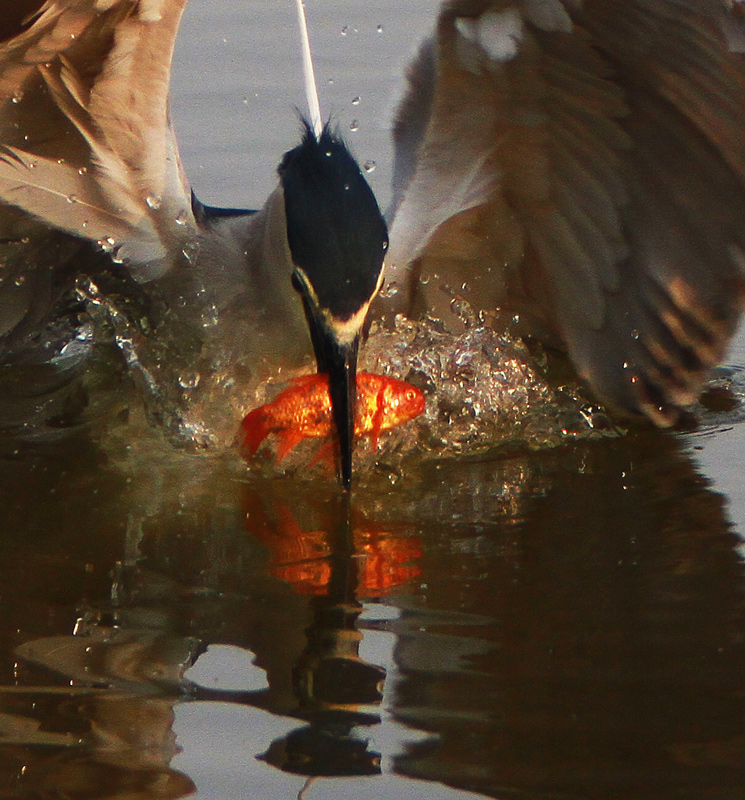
x: 606, y: 139
x: 88, y: 144
x: 87, y: 157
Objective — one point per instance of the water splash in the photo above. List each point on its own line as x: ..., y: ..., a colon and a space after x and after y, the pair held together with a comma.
x: 483, y: 387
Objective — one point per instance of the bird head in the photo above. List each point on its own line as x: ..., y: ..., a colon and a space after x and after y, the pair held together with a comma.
x: 337, y: 240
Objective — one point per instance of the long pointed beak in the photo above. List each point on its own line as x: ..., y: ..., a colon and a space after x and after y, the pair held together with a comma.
x: 341, y: 367
x: 338, y: 359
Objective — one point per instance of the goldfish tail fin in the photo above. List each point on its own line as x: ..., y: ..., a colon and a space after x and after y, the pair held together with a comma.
x: 324, y: 455
x: 255, y: 430
x: 288, y: 440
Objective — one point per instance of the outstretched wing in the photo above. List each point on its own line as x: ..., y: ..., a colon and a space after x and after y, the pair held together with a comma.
x: 85, y: 142
x: 583, y: 162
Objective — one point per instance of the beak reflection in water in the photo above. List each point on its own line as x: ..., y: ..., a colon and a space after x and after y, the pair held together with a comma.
x: 337, y: 239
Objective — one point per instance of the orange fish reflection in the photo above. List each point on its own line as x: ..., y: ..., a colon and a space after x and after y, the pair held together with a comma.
x: 304, y: 410
x: 384, y: 560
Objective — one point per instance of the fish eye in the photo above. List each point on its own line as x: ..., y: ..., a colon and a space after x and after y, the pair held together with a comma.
x: 410, y: 395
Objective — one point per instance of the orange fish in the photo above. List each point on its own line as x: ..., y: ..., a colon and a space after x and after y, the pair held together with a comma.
x: 304, y: 410
x: 383, y: 559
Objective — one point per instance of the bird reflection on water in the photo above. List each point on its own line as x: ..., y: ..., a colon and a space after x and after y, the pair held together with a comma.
x: 582, y: 609
x: 125, y: 660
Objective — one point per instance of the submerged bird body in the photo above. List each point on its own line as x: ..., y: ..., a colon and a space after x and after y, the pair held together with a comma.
x: 304, y: 411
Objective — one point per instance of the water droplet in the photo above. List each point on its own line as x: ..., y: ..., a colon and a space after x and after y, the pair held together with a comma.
x: 116, y: 255
x: 153, y: 201
x: 346, y: 187
x: 389, y: 290
x: 32, y: 164
x: 71, y: 198
x: 635, y: 333
x: 189, y: 380
x: 82, y: 170
x: 345, y: 30
x: 182, y: 217
x: 210, y: 316
x: 17, y: 96
x: 354, y: 125
x: 380, y: 29
x: 107, y: 244
x: 190, y: 251
x: 356, y: 100
x: 462, y: 309
x: 369, y: 166
x: 20, y: 280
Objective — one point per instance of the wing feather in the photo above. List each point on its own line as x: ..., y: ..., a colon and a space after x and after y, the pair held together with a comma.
x: 615, y: 145
x: 83, y: 95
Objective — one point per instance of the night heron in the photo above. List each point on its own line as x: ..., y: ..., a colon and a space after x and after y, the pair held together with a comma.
x: 577, y: 163
x: 581, y: 164
x: 91, y: 185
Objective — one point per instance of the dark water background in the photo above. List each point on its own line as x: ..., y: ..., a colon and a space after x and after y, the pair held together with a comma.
x: 564, y: 624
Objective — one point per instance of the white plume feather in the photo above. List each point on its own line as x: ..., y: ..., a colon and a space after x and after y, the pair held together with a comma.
x: 309, y: 75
